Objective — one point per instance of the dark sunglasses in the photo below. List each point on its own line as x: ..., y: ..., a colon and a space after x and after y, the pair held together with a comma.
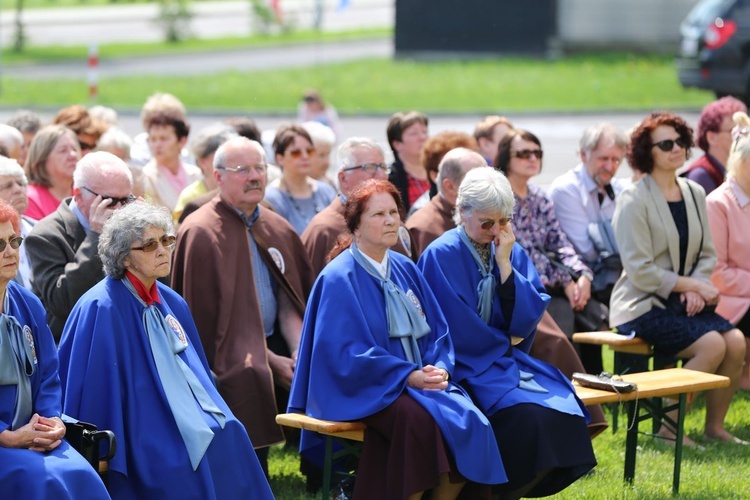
x: 667, y: 145
x: 525, y: 154
x: 490, y: 223
x: 14, y: 243
x: 86, y: 146
x: 122, y: 201
x: 167, y: 241
x: 370, y: 168
x: 297, y: 153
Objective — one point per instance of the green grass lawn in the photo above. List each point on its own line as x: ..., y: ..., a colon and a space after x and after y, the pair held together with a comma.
x: 718, y: 472
x: 570, y: 84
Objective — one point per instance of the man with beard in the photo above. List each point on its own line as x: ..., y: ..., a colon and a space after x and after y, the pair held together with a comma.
x: 245, y: 275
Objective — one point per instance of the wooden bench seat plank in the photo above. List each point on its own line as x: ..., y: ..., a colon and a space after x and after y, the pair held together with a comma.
x: 659, y: 383
x: 346, y: 430
x: 615, y: 341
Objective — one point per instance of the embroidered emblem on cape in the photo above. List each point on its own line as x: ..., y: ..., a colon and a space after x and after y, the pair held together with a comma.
x: 278, y: 259
x: 30, y: 340
x: 405, y: 238
x: 176, y: 328
x: 415, y: 301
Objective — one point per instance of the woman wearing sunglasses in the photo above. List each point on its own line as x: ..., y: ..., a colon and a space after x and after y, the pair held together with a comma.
x: 492, y: 299
x: 131, y: 361
x: 35, y: 461
x: 665, y: 294
x: 565, y: 276
x: 296, y: 196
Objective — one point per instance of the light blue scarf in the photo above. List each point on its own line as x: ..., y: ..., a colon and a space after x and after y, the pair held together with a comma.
x: 17, y: 364
x: 404, y: 320
x: 486, y: 292
x: 486, y: 286
x: 181, y: 386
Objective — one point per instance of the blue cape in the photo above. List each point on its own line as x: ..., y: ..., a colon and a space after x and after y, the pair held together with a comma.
x: 62, y: 472
x: 348, y: 368
x: 109, y: 379
x: 485, y: 360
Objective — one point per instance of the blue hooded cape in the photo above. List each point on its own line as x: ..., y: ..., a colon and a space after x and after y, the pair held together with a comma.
x: 61, y: 473
x: 348, y: 368
x: 109, y: 378
x: 486, y: 362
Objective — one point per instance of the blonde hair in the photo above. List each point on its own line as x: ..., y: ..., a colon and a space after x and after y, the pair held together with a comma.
x: 740, y: 150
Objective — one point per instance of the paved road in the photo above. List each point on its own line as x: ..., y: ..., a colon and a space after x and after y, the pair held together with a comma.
x: 137, y: 23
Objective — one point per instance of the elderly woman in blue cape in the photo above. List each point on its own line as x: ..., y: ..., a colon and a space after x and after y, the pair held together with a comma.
x: 375, y: 347
x: 35, y: 461
x: 131, y: 361
x: 492, y: 299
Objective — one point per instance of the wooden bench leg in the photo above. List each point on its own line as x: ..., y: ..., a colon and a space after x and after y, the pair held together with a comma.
x: 678, y: 444
x: 327, y: 468
x: 631, y: 441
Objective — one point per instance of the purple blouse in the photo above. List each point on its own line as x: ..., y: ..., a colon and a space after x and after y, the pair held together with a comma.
x: 538, y: 232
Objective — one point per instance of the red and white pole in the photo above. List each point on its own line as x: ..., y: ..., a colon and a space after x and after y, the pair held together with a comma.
x: 93, y: 71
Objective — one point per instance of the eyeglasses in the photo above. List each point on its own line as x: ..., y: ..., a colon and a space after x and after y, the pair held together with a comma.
x: 490, y: 223
x: 244, y: 170
x: 297, y: 153
x: 525, y: 154
x: 86, y: 146
x: 370, y: 168
x: 122, y: 201
x: 167, y: 241
x: 739, y: 132
x: 14, y: 243
x: 667, y: 145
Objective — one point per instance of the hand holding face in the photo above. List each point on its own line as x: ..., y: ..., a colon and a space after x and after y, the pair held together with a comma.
x: 99, y: 213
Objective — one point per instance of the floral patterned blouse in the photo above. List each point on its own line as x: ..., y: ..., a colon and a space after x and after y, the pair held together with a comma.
x: 538, y: 232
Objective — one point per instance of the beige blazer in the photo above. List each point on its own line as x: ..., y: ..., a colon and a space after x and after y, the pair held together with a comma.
x: 650, y: 247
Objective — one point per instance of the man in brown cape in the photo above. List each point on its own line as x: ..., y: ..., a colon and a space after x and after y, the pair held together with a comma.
x: 245, y: 275
x: 359, y: 159
x: 431, y: 221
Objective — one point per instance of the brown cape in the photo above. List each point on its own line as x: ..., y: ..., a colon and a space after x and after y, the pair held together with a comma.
x: 550, y: 344
x: 320, y: 236
x: 212, y: 270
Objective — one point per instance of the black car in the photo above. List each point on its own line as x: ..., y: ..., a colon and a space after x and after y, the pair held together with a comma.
x: 715, y: 48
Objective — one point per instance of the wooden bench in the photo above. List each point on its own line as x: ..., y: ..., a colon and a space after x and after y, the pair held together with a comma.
x: 673, y: 382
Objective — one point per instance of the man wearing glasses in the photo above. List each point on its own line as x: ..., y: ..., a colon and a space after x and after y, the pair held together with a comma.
x: 62, y: 247
x: 244, y: 273
x: 359, y: 159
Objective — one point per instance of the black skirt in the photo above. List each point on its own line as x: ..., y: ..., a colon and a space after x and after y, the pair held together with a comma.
x: 670, y: 333
x: 533, y: 439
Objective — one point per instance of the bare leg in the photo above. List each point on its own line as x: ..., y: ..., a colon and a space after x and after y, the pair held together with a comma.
x: 745, y: 379
x: 705, y: 355
x: 718, y: 400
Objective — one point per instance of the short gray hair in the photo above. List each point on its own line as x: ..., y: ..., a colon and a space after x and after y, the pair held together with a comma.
x: 221, y: 154
x: 208, y: 139
x: 10, y: 167
x: 593, y: 135
x: 320, y: 134
x: 125, y: 227
x: 10, y: 136
x: 115, y: 138
x: 486, y: 190
x: 346, y: 152
x: 93, y: 164
x: 450, y: 167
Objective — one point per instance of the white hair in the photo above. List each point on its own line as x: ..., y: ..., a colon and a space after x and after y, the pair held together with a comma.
x: 485, y: 190
x: 10, y: 167
x: 94, y: 163
x: 321, y: 135
x: 346, y: 152
x: 221, y: 153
